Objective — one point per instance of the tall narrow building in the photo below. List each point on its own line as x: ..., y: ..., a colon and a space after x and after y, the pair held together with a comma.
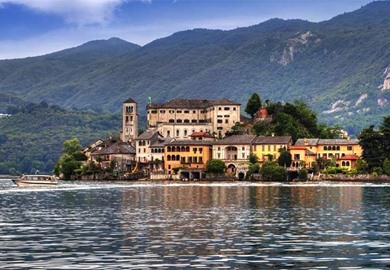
x: 129, y: 120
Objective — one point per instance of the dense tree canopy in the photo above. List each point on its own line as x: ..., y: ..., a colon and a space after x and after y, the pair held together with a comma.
x: 253, y: 105
x: 295, y: 120
x: 376, y: 144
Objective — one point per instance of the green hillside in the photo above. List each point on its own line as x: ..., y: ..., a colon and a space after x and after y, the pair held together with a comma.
x: 32, y: 137
x: 336, y: 66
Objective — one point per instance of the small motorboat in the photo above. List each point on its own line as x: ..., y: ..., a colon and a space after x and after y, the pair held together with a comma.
x: 36, y: 180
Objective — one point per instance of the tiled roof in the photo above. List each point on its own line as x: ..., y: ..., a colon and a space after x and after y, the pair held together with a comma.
x: 130, y: 100
x: 316, y: 142
x: 160, y: 143
x: 188, y: 143
x: 201, y: 134
x: 191, y: 103
x: 337, y: 141
x: 349, y: 157
x: 117, y: 148
x: 236, y: 139
x: 147, y: 135
x: 272, y: 140
x: 310, y: 142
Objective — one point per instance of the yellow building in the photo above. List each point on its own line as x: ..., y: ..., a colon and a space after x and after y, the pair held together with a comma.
x: 344, y: 151
x: 191, y: 154
x: 265, y: 147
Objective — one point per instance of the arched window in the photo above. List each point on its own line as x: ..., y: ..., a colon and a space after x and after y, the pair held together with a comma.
x: 347, y: 163
x: 179, y: 121
x: 173, y: 149
x: 182, y: 149
x: 334, y: 148
x: 187, y: 149
x: 171, y: 120
x: 169, y: 157
x: 343, y: 163
x: 338, y: 148
x: 325, y: 147
x: 177, y: 157
x: 169, y: 149
x: 186, y: 121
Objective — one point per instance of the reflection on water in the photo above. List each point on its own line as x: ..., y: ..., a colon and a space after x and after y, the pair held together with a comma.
x: 209, y: 226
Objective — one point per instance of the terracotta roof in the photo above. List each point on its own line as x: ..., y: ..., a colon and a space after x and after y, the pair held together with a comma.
x: 236, y: 139
x: 272, y: 140
x: 349, y: 157
x: 201, y: 134
x: 191, y: 103
x: 189, y: 142
x: 130, y: 100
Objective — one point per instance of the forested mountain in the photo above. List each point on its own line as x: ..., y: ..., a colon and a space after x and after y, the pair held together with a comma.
x: 337, y: 66
x: 32, y: 138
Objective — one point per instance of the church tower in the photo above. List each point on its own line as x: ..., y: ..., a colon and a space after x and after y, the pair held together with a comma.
x: 129, y: 120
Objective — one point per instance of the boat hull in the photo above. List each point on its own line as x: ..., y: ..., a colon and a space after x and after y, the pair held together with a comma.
x: 33, y: 181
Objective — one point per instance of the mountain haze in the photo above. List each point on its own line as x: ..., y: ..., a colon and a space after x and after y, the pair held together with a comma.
x: 337, y: 66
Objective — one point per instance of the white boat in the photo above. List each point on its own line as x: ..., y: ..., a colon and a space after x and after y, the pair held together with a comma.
x: 36, y: 180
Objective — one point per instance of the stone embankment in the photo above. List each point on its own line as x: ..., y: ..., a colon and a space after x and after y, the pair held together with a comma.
x: 346, y: 177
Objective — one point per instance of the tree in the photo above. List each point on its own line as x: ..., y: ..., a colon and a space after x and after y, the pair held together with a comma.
x: 361, y: 166
x: 253, y: 158
x: 371, y: 142
x: 72, y: 146
x: 386, y: 166
x: 284, y: 159
x: 272, y: 171
x: 253, y: 105
x: 70, y: 162
x: 215, y: 166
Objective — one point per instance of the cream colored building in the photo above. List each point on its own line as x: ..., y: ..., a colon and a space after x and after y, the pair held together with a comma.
x: 129, y: 120
x: 179, y: 118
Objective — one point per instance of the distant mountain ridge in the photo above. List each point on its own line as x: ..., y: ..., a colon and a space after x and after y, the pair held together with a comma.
x: 337, y: 66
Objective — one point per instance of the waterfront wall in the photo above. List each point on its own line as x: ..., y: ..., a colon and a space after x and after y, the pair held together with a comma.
x: 346, y: 177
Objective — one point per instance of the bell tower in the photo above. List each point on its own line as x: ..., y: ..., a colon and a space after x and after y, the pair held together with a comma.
x: 129, y: 120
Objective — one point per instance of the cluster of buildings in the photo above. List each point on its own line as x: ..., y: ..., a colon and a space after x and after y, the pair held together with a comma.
x: 183, y: 134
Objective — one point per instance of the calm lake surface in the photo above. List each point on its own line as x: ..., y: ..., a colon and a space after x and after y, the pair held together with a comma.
x: 143, y: 225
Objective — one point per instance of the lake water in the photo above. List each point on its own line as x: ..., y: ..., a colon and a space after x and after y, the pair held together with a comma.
x: 142, y: 225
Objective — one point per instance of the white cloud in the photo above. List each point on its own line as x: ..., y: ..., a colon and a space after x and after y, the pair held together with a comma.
x: 79, y: 12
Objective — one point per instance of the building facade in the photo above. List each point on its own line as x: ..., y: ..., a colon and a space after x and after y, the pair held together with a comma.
x: 179, y: 118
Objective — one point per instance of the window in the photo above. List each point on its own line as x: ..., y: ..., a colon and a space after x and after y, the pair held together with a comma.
x: 194, y: 121
x: 186, y: 121
x: 219, y: 108
x: 227, y: 108
x: 185, y: 132
x: 179, y: 121
x: 177, y: 133
x: 234, y: 108
x: 178, y: 111
x: 154, y: 111
x: 186, y: 111
x: 162, y: 111
x: 171, y: 120
x: 226, y: 121
x: 195, y: 149
x: 297, y: 157
x: 349, y: 148
x: 168, y: 133
x: 200, y: 160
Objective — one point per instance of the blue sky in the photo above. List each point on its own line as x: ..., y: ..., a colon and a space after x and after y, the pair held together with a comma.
x: 37, y: 27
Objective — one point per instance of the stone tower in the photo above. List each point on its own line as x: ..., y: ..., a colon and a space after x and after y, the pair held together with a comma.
x: 129, y: 120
